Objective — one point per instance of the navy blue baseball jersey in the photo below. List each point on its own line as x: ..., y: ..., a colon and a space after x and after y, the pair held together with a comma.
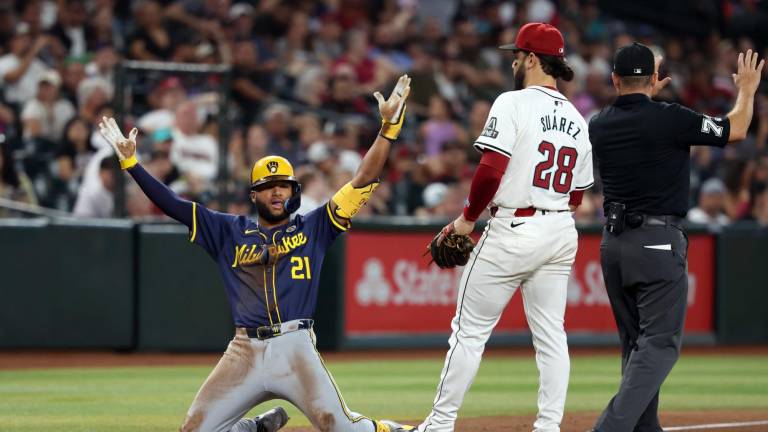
x: 270, y: 275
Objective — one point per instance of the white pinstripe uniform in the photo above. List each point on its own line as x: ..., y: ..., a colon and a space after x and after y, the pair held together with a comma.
x: 550, y: 155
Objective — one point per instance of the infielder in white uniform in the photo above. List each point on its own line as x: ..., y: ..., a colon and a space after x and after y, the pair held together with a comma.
x: 536, y: 163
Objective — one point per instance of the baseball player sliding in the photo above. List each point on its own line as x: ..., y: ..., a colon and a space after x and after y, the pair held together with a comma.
x: 536, y: 163
x: 271, y: 269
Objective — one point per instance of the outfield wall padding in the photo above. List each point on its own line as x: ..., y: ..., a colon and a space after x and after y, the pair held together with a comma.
x: 66, y: 285
x: 117, y: 285
x: 742, y: 279
x: 181, y: 300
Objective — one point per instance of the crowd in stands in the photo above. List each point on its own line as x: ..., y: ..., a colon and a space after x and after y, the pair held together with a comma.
x: 302, y: 76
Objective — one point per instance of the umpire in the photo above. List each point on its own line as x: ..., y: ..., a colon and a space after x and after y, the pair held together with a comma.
x: 642, y: 149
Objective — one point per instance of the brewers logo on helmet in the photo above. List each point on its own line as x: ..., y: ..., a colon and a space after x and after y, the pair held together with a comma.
x: 277, y: 168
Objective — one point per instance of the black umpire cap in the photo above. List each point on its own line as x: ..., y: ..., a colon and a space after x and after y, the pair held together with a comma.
x: 634, y: 60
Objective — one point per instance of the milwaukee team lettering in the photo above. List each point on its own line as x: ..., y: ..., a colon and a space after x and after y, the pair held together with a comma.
x: 243, y: 256
x: 253, y: 254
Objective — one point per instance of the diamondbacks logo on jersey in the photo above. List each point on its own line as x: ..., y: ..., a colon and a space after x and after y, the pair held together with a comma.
x: 708, y: 125
x: 272, y: 166
x: 490, y: 129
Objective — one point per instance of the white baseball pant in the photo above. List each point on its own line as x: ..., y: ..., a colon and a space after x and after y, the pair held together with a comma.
x: 536, y: 254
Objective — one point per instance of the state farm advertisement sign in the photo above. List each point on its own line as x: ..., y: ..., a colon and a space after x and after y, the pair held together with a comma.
x: 390, y: 288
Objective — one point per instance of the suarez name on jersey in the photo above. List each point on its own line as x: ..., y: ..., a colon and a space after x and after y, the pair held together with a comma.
x: 547, y: 142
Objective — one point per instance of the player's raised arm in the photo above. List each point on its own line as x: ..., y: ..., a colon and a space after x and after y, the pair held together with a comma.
x: 392, y: 112
x: 157, y: 192
x: 347, y: 201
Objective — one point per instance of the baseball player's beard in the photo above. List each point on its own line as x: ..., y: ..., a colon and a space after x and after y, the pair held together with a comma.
x: 265, y: 213
x: 519, y: 77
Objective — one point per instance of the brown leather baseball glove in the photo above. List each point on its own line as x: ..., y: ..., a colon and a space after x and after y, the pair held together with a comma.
x: 450, y: 250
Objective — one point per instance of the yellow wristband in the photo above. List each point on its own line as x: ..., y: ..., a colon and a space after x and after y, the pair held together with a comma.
x: 128, y: 163
x: 391, y: 131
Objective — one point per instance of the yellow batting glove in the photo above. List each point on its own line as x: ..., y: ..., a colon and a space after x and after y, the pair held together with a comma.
x: 392, y: 110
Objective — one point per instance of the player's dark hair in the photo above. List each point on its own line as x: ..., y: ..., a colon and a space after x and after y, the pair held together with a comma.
x: 556, y: 67
x: 635, y: 81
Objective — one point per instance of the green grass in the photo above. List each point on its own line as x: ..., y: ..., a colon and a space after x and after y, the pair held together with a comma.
x: 156, y: 398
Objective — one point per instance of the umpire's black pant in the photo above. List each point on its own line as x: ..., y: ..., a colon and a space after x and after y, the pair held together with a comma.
x: 645, y: 273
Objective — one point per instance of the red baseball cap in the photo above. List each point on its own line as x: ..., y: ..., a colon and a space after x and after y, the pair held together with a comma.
x: 539, y: 38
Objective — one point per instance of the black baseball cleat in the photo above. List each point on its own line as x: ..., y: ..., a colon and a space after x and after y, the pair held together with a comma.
x: 390, y: 426
x: 272, y: 420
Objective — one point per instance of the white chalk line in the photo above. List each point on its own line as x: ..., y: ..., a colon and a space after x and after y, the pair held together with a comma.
x: 717, y: 426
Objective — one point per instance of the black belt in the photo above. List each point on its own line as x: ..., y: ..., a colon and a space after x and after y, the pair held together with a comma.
x: 634, y: 220
x: 270, y: 331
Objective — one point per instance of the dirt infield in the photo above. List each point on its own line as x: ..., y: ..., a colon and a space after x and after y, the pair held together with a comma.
x: 581, y: 422
x: 34, y: 359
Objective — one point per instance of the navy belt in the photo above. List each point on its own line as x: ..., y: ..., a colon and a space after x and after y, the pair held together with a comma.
x: 270, y: 331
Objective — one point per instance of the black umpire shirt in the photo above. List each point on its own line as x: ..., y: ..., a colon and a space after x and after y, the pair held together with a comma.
x: 643, y: 152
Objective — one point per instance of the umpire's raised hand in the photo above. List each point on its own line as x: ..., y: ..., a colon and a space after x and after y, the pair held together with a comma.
x: 661, y: 83
x: 747, y: 79
x: 748, y: 71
